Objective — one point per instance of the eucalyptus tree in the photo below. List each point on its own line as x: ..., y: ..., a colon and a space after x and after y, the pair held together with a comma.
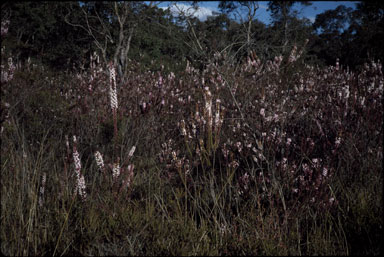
x: 285, y: 21
x: 333, y: 37
x: 111, y: 26
x: 245, y: 13
x: 367, y: 29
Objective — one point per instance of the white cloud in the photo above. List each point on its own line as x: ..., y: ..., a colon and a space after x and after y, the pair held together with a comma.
x: 201, y: 13
x: 312, y: 19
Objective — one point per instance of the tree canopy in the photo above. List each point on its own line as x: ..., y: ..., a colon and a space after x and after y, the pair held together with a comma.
x: 63, y: 34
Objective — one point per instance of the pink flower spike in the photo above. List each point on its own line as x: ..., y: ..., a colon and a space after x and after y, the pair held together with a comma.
x: 131, y: 151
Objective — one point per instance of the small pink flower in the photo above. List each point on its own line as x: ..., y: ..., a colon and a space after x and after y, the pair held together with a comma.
x: 262, y: 112
x: 311, y: 142
x: 337, y: 142
x: 234, y: 164
x: 244, y: 180
x: 116, y: 170
x: 112, y: 87
x: 81, y: 187
x: 276, y: 117
x: 76, y: 160
x: 325, y: 171
x: 130, y: 154
x: 315, y: 163
x: 182, y: 128
x: 238, y: 145
x: 129, y: 179
x: 99, y: 160
x: 42, y: 189
x: 284, y: 163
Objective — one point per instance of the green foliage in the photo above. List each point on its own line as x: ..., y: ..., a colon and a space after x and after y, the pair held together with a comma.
x: 38, y: 31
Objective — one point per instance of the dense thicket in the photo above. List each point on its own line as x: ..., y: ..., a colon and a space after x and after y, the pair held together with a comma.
x: 127, y: 131
x: 39, y: 30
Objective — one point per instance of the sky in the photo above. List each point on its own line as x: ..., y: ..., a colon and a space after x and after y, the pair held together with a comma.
x: 310, y: 12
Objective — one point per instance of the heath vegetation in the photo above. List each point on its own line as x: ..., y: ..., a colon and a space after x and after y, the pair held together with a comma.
x: 246, y: 155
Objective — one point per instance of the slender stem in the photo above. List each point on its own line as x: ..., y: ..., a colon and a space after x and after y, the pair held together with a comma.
x: 66, y: 220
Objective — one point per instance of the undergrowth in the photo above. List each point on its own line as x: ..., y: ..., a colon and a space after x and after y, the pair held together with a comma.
x: 274, y: 158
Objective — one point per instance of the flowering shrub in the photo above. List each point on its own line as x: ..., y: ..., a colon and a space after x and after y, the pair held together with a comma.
x: 286, y: 140
x: 278, y: 134
x: 260, y: 143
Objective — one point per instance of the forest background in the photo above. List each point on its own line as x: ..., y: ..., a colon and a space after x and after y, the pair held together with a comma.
x: 57, y: 33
